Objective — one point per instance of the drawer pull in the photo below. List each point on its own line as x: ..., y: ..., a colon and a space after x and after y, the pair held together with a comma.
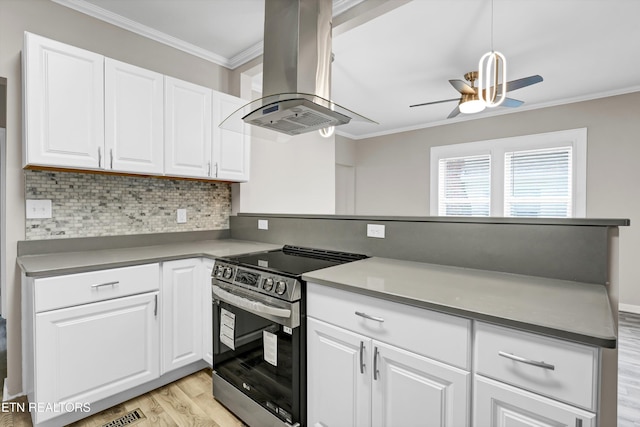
x: 99, y: 285
x: 370, y: 317
x: 527, y: 361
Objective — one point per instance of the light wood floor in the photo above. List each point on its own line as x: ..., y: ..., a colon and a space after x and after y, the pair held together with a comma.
x: 629, y: 370
x: 188, y: 402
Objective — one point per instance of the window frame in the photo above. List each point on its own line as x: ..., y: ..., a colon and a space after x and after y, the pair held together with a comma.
x: 497, y: 148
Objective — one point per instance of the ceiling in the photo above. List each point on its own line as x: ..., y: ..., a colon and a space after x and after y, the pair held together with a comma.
x: 384, y: 62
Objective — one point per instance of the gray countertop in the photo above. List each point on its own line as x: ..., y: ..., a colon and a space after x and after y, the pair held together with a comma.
x: 53, y: 264
x: 569, y: 310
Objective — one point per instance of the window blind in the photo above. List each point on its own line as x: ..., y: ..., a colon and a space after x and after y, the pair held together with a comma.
x: 538, y: 183
x: 465, y: 186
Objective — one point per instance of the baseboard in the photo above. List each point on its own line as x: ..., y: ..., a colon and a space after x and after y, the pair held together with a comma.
x: 629, y: 308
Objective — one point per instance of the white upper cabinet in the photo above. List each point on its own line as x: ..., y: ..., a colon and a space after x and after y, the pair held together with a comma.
x: 85, y: 111
x: 231, y: 144
x: 63, y: 105
x: 187, y: 129
x: 134, y: 127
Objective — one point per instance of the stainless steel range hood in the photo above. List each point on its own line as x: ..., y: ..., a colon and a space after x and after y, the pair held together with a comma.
x: 296, y: 71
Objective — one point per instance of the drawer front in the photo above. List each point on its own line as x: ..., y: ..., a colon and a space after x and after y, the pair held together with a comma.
x: 552, y: 367
x: 74, y: 289
x: 435, y: 335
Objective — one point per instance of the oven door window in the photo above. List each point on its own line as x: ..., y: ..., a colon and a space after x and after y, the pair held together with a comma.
x: 255, y: 355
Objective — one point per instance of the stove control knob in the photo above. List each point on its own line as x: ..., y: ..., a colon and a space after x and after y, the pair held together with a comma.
x: 281, y: 287
x: 228, y: 272
x: 218, y: 271
x: 268, y: 284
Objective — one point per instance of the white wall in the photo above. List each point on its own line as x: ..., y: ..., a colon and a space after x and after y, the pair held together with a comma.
x: 392, y: 172
x: 294, y: 176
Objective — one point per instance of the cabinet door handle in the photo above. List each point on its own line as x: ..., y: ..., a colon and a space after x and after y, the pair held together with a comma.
x: 362, y: 357
x: 216, y: 166
x: 155, y: 308
x: 208, y: 168
x: 527, y: 361
x: 99, y: 285
x: 578, y: 422
x: 370, y: 317
x: 111, y: 154
x: 99, y: 157
x: 376, y: 373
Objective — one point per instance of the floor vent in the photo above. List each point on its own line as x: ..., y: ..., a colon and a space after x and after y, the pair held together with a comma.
x: 127, y: 419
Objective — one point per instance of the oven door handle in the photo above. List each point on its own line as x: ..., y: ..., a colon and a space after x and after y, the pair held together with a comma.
x: 248, y: 304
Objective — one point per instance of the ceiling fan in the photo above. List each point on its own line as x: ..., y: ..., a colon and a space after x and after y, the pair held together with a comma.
x: 470, y: 101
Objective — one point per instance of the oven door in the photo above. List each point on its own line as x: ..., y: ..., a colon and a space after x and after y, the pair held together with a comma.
x: 257, y: 348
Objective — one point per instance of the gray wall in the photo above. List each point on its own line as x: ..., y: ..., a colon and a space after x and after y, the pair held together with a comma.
x: 49, y: 19
x: 392, y: 172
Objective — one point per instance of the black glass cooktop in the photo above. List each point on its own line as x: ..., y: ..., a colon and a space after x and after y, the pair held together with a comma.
x: 296, y: 260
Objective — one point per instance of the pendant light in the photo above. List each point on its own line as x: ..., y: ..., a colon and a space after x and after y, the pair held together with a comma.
x: 492, y: 67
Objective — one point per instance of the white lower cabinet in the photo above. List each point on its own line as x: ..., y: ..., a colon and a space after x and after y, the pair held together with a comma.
x: 101, y: 341
x: 412, y: 390
x: 181, y: 313
x: 501, y: 405
x: 365, y: 379
x: 356, y: 381
x: 93, y: 351
x: 524, y: 379
x: 338, y: 391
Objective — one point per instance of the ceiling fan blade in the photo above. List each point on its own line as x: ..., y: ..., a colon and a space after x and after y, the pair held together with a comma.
x: 462, y: 87
x: 455, y: 112
x: 520, y: 83
x: 435, y: 102
x: 510, y: 102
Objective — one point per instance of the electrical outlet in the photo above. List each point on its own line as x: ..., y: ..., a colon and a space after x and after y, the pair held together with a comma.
x: 263, y: 224
x: 38, y: 209
x: 181, y: 216
x: 375, y: 230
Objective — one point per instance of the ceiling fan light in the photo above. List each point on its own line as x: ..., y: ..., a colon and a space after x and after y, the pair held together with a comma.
x: 491, y: 68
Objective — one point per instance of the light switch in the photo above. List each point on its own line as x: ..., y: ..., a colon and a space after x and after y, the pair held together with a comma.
x: 38, y: 209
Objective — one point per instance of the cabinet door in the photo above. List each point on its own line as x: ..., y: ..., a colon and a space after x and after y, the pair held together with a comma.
x: 207, y: 313
x: 500, y: 405
x: 412, y: 390
x: 63, y: 105
x: 134, y: 121
x: 181, y: 313
x: 338, y: 376
x: 187, y: 129
x: 231, y: 144
x: 93, y: 351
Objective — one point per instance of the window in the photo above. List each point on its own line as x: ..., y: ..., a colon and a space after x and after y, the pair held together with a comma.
x: 541, y: 175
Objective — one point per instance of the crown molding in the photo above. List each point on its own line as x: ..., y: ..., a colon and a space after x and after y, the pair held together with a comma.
x: 246, y: 55
x: 140, y: 29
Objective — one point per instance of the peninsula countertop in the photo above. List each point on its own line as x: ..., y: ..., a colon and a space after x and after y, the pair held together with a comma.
x: 575, y: 311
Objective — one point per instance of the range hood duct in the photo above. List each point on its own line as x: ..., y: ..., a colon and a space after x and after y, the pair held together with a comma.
x: 297, y: 69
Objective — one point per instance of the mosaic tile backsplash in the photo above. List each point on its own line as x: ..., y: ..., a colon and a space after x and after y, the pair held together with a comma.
x: 88, y: 205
